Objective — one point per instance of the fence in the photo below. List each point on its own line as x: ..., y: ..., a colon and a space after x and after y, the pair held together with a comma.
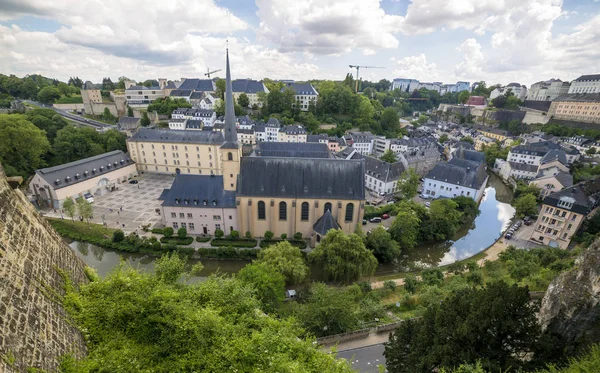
x: 357, y: 334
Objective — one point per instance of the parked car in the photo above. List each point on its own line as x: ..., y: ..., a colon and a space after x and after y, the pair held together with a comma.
x: 508, y: 236
x: 364, y: 222
x: 133, y: 181
x: 427, y: 204
x: 391, y: 202
x: 527, y: 220
x: 375, y: 220
x: 385, y: 216
x: 88, y: 197
x: 425, y: 196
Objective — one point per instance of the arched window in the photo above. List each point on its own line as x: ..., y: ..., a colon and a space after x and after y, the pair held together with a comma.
x: 229, y: 156
x: 327, y: 207
x: 304, y: 211
x: 349, y: 211
x: 282, y: 211
x: 261, y: 211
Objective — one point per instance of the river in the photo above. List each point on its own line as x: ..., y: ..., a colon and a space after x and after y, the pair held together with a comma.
x: 496, y: 214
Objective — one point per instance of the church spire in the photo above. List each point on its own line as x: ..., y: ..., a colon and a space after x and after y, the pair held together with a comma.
x: 230, y: 128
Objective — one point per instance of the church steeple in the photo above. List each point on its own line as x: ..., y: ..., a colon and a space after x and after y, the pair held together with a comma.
x: 230, y: 128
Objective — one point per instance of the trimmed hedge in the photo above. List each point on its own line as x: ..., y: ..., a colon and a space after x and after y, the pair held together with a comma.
x: 227, y: 253
x: 158, y: 230
x: 177, y: 241
x: 202, y: 238
x: 221, y: 242
x: 374, y: 212
x: 301, y: 244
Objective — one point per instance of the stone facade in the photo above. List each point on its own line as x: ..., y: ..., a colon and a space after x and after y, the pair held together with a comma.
x: 35, y: 330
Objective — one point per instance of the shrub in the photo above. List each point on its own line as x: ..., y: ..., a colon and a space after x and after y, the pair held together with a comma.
x: 177, y: 240
x: 233, y: 243
x: 269, y: 235
x: 118, y: 236
x: 248, y: 235
x: 297, y: 236
x: 227, y: 252
x: 390, y: 285
x: 410, y: 284
x: 235, y: 234
x: 365, y: 286
x: 157, y: 230
x: 168, y: 232
x: 266, y: 243
x: 432, y: 276
x: 203, y: 238
x: 182, y: 233
x: 284, y: 236
x: 219, y: 233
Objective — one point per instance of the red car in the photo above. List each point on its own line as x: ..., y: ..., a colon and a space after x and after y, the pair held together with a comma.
x: 385, y: 216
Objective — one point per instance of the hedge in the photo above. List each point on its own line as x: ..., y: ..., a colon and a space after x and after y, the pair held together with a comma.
x: 227, y: 253
x: 301, y: 244
x: 177, y: 241
x: 203, y: 238
x: 233, y: 243
x: 158, y: 230
x: 373, y: 212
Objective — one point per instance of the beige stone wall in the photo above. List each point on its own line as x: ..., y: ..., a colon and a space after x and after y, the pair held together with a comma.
x: 198, y: 159
x: 91, y: 95
x: 69, y: 107
x: 34, y: 327
x: 577, y: 111
x: 230, y: 159
x: 248, y: 215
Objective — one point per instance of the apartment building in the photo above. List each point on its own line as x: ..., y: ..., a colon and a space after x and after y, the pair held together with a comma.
x: 139, y: 96
x: 305, y: 94
x: 361, y: 141
x: 580, y: 107
x: 457, y: 177
x: 251, y: 88
x: 586, y: 84
x: 292, y: 133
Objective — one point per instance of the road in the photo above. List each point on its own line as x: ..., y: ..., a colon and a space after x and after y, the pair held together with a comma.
x: 365, y: 359
x: 75, y: 118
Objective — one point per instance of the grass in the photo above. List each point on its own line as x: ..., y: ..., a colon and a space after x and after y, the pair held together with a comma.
x: 100, y: 119
x: 301, y: 244
x: 74, y: 99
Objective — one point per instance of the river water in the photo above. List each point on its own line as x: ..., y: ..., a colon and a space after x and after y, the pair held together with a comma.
x: 496, y: 214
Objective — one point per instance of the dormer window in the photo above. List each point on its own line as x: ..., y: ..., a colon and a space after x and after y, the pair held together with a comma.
x: 85, y: 173
x: 101, y: 168
x: 186, y: 201
x: 205, y: 202
x: 68, y: 178
x: 94, y: 171
x: 177, y: 200
x: 214, y: 202
x: 77, y: 176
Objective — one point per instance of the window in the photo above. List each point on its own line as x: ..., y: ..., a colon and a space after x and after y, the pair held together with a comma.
x: 282, y: 211
x: 175, y: 226
x: 327, y: 207
x: 173, y: 215
x: 189, y: 215
x: 304, y: 211
x: 191, y: 226
x: 183, y: 225
x: 216, y: 217
x: 181, y: 215
x: 229, y: 156
x: 261, y: 210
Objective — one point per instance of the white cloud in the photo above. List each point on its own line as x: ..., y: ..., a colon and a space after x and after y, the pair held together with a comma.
x: 416, y: 67
x: 368, y: 52
x: 471, y: 66
x: 326, y: 26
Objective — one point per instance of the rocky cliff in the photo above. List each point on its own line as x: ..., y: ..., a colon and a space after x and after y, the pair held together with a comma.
x: 34, y: 328
x: 570, y: 309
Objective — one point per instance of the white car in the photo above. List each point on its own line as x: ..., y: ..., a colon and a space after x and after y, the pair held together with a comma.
x: 425, y: 196
x: 427, y: 204
x: 88, y: 197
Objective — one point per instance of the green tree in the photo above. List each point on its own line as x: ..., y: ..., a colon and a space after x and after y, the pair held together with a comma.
x: 48, y: 95
x: 468, y: 139
x: 248, y: 235
x: 269, y: 235
x: 235, y: 234
x: 268, y: 282
x: 107, y: 115
x: 496, y: 325
x: 382, y: 245
x: 166, y: 105
x: 74, y: 143
x: 287, y: 260
x: 405, y: 228
x: 389, y: 157
x: 390, y: 121
x: 129, y: 111
x: 219, y: 233
x: 22, y: 145
x: 182, y: 232
x: 590, y: 151
x: 526, y: 205
x: 343, y: 257
x: 221, y: 86
x: 69, y: 207
x: 243, y: 100
x: 108, y: 85
x: 64, y: 89
x: 463, y: 97
x: 364, y: 110
x: 145, y: 121
x: 298, y: 236
x: 432, y: 276
x: 408, y: 184
x: 118, y: 236
x: 444, y: 220
x: 84, y: 208
x: 168, y: 232
x: 443, y: 138
x: 410, y: 283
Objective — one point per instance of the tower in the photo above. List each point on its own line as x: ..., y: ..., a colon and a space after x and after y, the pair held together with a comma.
x: 231, y: 151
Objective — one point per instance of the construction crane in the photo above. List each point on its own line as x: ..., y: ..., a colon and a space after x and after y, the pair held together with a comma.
x: 357, y: 67
x: 208, y: 72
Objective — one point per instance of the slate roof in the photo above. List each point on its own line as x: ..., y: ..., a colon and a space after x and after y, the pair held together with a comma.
x: 273, y: 122
x: 301, y: 88
x: 129, y: 122
x: 88, y: 85
x: 361, y: 137
x: 579, y: 97
x: 588, y: 77
x: 325, y: 223
x: 565, y: 179
x: 143, y: 88
x: 194, y: 124
x: 554, y: 155
x: 469, y: 155
x: 74, y: 172
x: 459, y: 172
x: 293, y: 129
x: 247, y: 86
x: 523, y: 167
x: 585, y: 196
x: 464, y: 145
x: 204, y: 113
x: 291, y: 149
x: 177, y: 136
x: 538, y: 149
x: 271, y: 177
x: 315, y: 138
x: 170, y: 85
x: 180, y: 93
x: 381, y: 170
x: 201, y: 191
x: 196, y: 95
x: 195, y: 84
x: 537, y: 105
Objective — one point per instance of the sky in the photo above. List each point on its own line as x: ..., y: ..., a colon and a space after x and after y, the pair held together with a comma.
x: 499, y: 41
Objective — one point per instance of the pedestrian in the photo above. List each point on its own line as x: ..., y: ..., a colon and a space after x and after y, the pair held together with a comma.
x: 110, y: 210
x: 123, y: 225
x: 118, y: 213
x: 138, y: 186
x: 121, y: 208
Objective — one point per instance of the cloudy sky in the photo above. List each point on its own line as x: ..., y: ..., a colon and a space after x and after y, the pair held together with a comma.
x: 499, y: 41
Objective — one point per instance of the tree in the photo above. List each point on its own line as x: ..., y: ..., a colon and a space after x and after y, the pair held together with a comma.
x: 268, y: 282
x: 432, y: 276
x: 269, y: 235
x: 48, y: 95
x: 145, y: 121
x: 182, y: 232
x: 444, y: 220
x: 129, y: 111
x: 495, y: 325
x: 219, y: 233
x: 64, y: 89
x: 76, y: 81
x: 166, y: 105
x: 243, y: 100
x: 69, y: 207
x: 382, y: 245
x: 364, y: 110
x: 405, y: 228
x: 235, y: 234
x: 463, y: 97
x: 525, y: 205
x: 221, y: 86
x: 410, y: 283
x: 298, y: 236
x: 389, y: 157
x: 74, y: 143
x: 287, y: 260
x: 84, y: 208
x: 22, y: 145
x: 590, y: 151
x: 118, y: 236
x: 468, y: 139
x: 107, y: 115
x: 390, y: 121
x: 408, y: 184
x: 284, y: 236
x: 248, y: 235
x: 343, y: 257
x: 108, y: 85
x: 168, y: 232
x: 443, y: 138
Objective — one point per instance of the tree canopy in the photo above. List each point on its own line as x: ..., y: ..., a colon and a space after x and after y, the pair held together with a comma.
x: 287, y: 260
x: 380, y: 242
x: 166, y: 105
x: 389, y: 157
x: 22, y: 145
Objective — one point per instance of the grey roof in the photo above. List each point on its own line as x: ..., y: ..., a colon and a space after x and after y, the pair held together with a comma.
x: 469, y: 155
x: 143, y: 88
x: 229, y: 128
x: 381, y: 170
x: 513, y: 85
x: 579, y: 97
x: 244, y: 120
x: 205, y: 113
x: 538, y: 149
x: 554, y: 155
x: 180, y: 93
x: 315, y: 138
x: 248, y: 86
x: 301, y: 88
x: 361, y: 137
x: 126, y: 123
x: 293, y: 129
x: 585, y: 196
x: 177, y: 136
x: 588, y: 77
x: 465, y: 145
x: 459, y: 172
x: 199, y: 191
x: 523, y: 167
x: 196, y: 95
x: 170, y: 85
x: 271, y: 177
x: 74, y: 172
x: 88, y: 85
x: 195, y: 84
x: 273, y: 122
x: 325, y: 223
x: 413, y: 142
x: 292, y: 150
x: 194, y: 123
x: 565, y: 179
